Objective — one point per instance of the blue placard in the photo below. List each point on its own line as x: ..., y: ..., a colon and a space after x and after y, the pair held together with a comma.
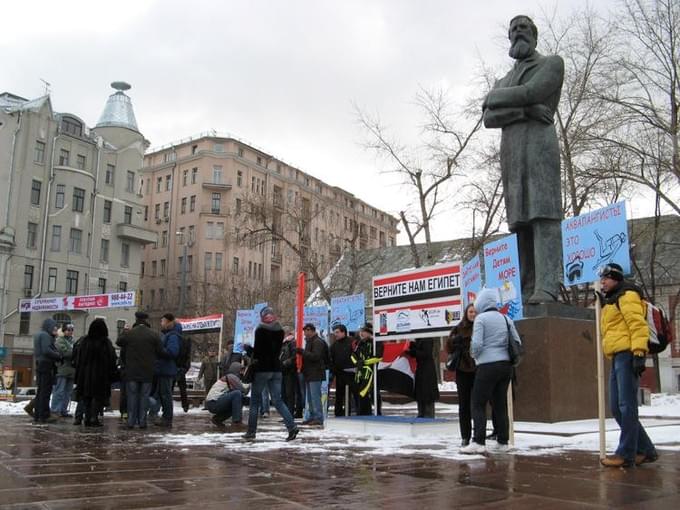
x: 348, y: 310
x: 258, y: 307
x: 317, y: 315
x: 244, y: 328
x: 471, y: 279
x: 501, y: 269
x: 593, y: 240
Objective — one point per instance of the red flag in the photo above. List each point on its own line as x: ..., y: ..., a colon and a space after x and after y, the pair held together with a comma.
x: 300, y: 307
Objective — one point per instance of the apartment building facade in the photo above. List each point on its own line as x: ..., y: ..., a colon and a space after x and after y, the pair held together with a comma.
x: 203, y: 196
x: 71, y: 218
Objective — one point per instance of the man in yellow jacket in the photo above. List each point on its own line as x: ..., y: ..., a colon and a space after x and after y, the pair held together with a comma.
x: 624, y: 338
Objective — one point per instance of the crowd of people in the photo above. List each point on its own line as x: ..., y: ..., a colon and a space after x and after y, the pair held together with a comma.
x: 290, y: 378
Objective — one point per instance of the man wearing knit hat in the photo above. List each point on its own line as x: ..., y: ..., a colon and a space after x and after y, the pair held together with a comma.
x: 624, y: 341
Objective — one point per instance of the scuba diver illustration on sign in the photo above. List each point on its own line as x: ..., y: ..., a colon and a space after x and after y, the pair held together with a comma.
x: 608, y: 248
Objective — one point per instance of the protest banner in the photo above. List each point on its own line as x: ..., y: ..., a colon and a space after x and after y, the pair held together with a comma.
x: 501, y: 269
x: 348, y: 310
x: 471, y: 280
x: 87, y: 302
x: 419, y: 303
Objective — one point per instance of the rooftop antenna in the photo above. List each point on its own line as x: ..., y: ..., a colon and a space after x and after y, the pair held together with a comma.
x: 47, y: 86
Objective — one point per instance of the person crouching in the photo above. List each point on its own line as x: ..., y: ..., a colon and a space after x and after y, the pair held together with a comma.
x: 225, y: 399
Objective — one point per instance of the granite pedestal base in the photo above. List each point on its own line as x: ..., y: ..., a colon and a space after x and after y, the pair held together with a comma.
x: 557, y: 380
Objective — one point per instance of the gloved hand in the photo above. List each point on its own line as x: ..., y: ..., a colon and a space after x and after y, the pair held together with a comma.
x: 360, y: 364
x: 638, y: 365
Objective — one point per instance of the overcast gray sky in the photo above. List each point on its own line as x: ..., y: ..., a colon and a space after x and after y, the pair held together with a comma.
x: 280, y: 74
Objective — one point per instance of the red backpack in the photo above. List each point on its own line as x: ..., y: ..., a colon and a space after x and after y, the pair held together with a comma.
x: 660, y: 331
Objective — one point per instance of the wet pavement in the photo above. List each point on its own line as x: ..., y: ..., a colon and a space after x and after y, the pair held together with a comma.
x: 194, y: 466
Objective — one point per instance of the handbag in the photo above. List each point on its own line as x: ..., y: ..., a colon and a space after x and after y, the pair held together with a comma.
x: 515, y: 348
x: 248, y: 373
x: 453, y: 361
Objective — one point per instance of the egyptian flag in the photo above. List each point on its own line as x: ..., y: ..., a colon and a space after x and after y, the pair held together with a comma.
x: 396, y: 371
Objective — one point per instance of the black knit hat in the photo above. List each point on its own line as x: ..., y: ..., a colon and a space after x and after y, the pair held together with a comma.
x: 368, y: 328
x: 142, y: 316
x: 613, y: 271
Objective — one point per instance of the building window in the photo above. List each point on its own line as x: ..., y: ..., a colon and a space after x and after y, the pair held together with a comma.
x: 154, y: 268
x: 183, y: 205
x: 259, y: 160
x: 28, y: 279
x: 78, y: 199
x: 130, y: 182
x: 161, y: 295
x: 31, y: 235
x: 208, y: 261
x: 209, y: 230
x: 64, y: 157
x: 168, y: 182
x: 218, y: 262
x: 192, y: 233
x: 159, y: 184
x: 122, y: 286
x: 76, y: 240
x: 35, y: 192
x: 185, y: 177
x: 56, y: 238
x: 107, y: 211
x: 234, y: 266
x: 104, y: 251
x: 215, y: 203
x: 217, y: 174
x: 190, y: 263
x: 110, y: 172
x: 141, y: 270
x: 180, y: 237
x: 59, y: 197
x: 39, y: 154
x: 240, y: 152
x: 194, y: 175
x: 166, y: 210
x: 71, y: 282
x: 146, y: 213
x: 125, y: 255
x: 101, y: 285
x: 219, y: 230
x: 180, y: 264
x: 24, y: 323
x: 237, y: 210
x: 192, y: 203
x: 157, y: 211
x: 71, y: 127
x: 239, y: 178
x: 218, y: 147
x: 127, y: 215
x: 194, y: 148
x: 163, y: 267
x: 80, y: 162
x: 164, y: 238
x: 52, y: 279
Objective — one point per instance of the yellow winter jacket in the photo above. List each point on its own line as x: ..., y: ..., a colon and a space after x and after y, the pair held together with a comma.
x: 624, y: 327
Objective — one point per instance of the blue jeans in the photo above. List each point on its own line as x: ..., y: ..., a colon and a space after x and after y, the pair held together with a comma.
x: 313, y: 391
x: 162, y: 397
x: 228, y: 405
x: 61, y: 395
x: 623, y: 388
x: 271, y: 380
x: 137, y: 402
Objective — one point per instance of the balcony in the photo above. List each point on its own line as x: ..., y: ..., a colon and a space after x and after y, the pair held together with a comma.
x: 214, y: 211
x: 277, y: 258
x: 135, y: 233
x: 216, y: 186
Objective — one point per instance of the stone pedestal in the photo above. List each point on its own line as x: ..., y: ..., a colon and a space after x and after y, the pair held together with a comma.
x: 557, y: 380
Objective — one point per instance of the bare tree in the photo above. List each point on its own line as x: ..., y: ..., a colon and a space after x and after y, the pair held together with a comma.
x: 425, y: 169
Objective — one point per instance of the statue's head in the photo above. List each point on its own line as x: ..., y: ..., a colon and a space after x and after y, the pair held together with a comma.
x: 523, y: 36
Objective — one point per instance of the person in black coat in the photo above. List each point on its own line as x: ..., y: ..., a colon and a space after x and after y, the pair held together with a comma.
x: 426, y: 384
x: 95, y: 371
x: 342, y: 367
x: 314, y: 372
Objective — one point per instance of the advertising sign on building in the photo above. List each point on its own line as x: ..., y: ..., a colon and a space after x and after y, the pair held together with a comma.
x: 348, y: 310
x: 593, y: 240
x: 472, y: 280
x: 419, y: 303
x: 89, y: 302
x: 501, y: 268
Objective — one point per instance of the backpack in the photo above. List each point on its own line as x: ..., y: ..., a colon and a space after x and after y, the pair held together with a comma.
x: 660, y: 331
x: 183, y: 359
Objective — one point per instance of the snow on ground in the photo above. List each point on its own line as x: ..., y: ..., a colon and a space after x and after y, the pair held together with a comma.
x: 661, y: 419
